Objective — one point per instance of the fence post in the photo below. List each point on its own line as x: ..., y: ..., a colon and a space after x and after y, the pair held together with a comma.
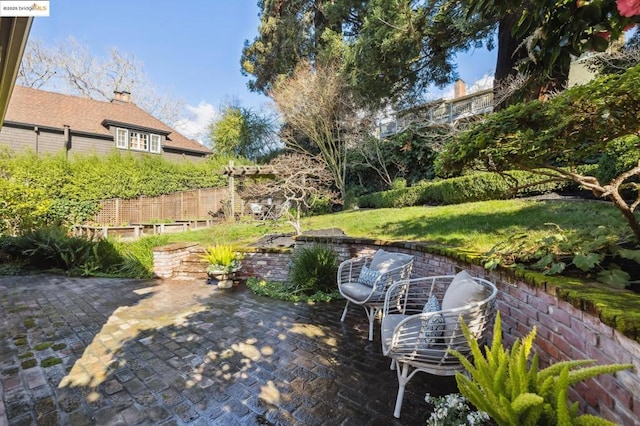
x: 117, y: 211
x: 232, y: 190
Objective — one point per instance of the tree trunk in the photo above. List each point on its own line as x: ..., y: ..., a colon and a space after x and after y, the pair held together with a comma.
x: 510, y: 52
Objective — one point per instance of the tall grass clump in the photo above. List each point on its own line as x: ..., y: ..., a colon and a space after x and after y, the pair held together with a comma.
x: 138, y: 256
x: 313, y: 269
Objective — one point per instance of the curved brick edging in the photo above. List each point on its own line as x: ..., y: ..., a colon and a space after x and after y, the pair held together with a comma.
x: 565, y: 316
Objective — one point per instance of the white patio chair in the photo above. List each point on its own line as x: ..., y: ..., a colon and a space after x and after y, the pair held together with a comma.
x: 417, y: 333
x: 257, y: 211
x: 365, y: 280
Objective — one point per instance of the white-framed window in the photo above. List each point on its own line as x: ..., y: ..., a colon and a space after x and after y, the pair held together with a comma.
x: 139, y: 141
x: 154, y: 143
x: 122, y: 138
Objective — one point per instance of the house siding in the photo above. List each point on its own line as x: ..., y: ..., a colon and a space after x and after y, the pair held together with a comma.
x: 20, y: 138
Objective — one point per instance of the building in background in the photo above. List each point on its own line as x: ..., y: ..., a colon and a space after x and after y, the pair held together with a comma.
x: 47, y: 122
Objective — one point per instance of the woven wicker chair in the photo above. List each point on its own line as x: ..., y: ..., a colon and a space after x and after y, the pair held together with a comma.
x: 387, y: 268
x: 417, y: 341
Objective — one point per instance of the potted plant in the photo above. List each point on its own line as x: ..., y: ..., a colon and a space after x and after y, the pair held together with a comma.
x: 223, y: 262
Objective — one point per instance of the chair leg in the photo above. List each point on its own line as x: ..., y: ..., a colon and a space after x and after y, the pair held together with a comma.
x: 403, y: 378
x: 372, y: 312
x: 344, y: 313
x: 393, y: 364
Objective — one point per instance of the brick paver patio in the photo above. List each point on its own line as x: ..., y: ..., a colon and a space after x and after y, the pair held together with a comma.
x: 111, y: 351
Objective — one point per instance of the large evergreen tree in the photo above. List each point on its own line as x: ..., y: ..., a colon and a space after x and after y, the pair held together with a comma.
x: 396, y: 49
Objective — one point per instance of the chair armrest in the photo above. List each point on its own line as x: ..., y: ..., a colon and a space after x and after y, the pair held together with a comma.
x: 408, y: 297
x: 349, y: 270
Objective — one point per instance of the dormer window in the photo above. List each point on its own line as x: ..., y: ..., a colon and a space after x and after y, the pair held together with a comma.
x: 138, y: 141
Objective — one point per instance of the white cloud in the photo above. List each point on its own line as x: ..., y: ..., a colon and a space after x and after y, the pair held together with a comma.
x: 196, y: 123
x: 485, y: 82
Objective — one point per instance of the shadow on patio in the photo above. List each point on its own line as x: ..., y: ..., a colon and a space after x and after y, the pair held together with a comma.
x: 180, y: 352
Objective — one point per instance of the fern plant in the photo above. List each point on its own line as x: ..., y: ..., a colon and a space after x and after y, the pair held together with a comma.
x: 509, y: 386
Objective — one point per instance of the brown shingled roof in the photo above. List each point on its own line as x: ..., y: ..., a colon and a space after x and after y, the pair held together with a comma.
x: 42, y: 108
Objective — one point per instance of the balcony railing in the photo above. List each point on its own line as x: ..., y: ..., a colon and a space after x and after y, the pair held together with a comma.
x: 440, y: 112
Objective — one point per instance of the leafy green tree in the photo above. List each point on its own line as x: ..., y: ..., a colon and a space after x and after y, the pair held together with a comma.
x: 553, y: 138
x: 243, y: 132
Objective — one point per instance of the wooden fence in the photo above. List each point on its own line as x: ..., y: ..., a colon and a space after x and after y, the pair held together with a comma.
x: 179, y: 206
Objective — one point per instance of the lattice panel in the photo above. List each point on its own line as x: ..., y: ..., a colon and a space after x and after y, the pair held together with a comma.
x: 187, y: 205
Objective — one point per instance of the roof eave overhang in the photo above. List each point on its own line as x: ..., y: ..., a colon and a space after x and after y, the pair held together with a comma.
x: 113, y: 123
x: 14, y: 32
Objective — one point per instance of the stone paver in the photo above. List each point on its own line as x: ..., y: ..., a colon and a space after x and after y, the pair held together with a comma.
x: 133, y: 352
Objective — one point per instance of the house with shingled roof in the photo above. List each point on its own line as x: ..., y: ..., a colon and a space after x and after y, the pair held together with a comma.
x: 47, y: 122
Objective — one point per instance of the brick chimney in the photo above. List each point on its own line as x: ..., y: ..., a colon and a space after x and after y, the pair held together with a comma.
x: 459, y: 89
x: 121, y: 96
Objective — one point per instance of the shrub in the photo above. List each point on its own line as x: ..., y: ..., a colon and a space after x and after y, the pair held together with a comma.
x: 399, y: 183
x: 22, y: 207
x: 52, y: 248
x: 509, y: 386
x: 620, y: 155
x: 313, y: 269
x: 473, y: 187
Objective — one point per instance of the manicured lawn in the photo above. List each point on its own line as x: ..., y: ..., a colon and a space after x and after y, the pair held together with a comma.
x: 472, y: 226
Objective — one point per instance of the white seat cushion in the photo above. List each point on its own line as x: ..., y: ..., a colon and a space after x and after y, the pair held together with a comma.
x: 413, y: 345
x: 355, y: 290
x: 389, y: 324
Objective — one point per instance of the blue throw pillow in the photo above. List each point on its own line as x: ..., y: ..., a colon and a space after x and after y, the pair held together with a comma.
x: 433, y: 327
x: 368, y: 276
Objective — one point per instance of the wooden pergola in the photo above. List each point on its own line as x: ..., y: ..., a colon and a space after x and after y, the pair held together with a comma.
x: 244, y: 171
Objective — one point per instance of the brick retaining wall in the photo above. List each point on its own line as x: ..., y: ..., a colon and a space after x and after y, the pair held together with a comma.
x: 563, y: 331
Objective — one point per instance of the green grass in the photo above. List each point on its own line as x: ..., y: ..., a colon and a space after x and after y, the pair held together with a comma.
x: 472, y: 226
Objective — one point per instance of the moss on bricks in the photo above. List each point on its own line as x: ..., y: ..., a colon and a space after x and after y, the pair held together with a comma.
x: 30, y: 363
x: 42, y: 346
x: 59, y: 346
x: 29, y: 323
x: 10, y: 371
x: 26, y: 355
x: 50, y: 362
x: 20, y: 341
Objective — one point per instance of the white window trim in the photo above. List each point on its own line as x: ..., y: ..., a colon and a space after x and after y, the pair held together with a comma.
x: 140, y: 139
x: 144, y: 141
x: 126, y: 138
x: 158, y: 146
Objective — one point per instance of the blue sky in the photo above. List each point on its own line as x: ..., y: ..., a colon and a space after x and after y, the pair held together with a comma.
x: 191, y: 48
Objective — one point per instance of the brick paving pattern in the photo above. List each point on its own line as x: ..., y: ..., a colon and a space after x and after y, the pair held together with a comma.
x: 133, y: 352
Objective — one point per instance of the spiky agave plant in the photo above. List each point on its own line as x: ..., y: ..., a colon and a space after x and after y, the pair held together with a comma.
x: 509, y: 387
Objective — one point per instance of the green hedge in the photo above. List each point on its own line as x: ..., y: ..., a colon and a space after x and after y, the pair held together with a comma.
x: 473, y: 187
x: 50, y: 189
